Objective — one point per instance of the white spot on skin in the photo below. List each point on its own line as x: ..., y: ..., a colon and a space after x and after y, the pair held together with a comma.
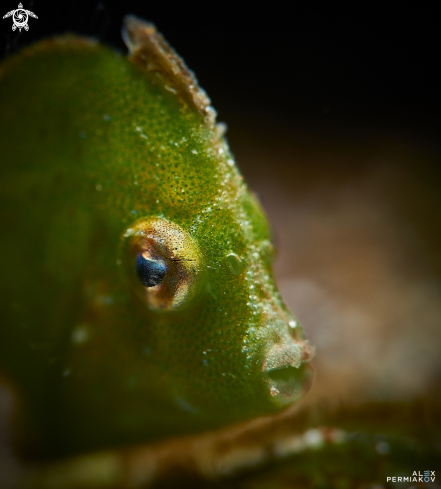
x: 170, y: 89
x: 221, y: 129
x: 105, y: 300
x: 80, y: 335
x: 98, y: 187
x: 292, y: 324
x: 382, y: 447
x: 274, y: 391
x: 185, y: 405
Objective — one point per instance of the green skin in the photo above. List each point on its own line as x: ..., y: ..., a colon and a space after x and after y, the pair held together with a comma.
x: 91, y: 144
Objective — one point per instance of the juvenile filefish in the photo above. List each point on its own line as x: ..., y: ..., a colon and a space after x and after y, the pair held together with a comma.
x: 138, y: 299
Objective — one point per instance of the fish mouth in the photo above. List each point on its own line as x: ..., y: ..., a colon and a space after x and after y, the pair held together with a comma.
x: 287, y: 372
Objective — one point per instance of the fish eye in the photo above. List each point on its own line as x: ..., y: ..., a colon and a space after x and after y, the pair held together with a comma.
x: 150, y: 272
x: 165, y: 264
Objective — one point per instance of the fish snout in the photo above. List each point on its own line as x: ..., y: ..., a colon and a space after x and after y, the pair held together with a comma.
x: 286, y: 370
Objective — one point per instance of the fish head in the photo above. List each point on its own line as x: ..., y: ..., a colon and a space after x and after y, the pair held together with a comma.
x: 139, y: 299
x: 227, y: 347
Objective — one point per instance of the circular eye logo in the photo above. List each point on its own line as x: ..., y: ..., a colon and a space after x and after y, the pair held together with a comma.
x: 20, y: 18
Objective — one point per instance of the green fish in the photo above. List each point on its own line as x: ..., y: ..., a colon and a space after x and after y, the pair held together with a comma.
x: 137, y: 295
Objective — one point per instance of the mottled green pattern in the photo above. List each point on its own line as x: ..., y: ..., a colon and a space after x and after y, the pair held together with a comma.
x: 90, y: 144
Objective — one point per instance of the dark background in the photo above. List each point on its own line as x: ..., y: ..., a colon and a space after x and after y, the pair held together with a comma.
x: 298, y: 63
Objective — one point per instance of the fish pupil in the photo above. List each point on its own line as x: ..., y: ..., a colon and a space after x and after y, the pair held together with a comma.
x: 150, y: 272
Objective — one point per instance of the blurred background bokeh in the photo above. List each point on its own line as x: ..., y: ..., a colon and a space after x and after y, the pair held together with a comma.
x: 333, y: 115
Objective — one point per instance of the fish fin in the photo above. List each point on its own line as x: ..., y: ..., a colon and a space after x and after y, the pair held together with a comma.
x: 149, y: 50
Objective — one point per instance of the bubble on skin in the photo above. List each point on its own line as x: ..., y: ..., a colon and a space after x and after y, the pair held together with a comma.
x: 235, y: 263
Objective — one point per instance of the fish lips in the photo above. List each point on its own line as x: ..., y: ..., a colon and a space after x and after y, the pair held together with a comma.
x: 287, y: 372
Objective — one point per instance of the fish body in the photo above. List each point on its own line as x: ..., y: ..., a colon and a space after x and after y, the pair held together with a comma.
x: 138, y: 300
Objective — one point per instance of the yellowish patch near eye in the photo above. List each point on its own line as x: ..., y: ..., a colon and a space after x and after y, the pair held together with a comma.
x: 165, y: 264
